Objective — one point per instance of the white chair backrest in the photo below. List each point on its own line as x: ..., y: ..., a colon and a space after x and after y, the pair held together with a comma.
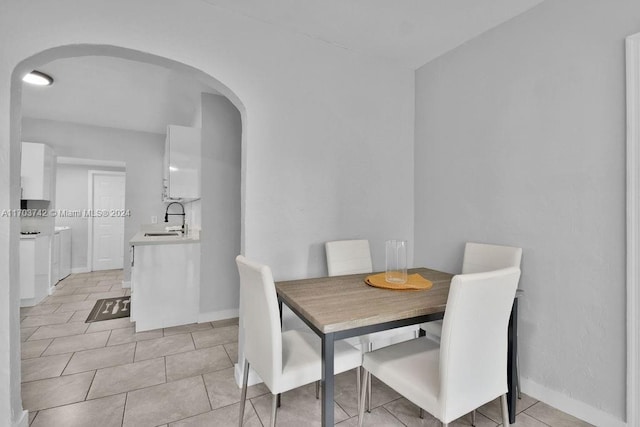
x: 261, y: 321
x: 348, y: 257
x: 481, y: 257
x: 473, y: 347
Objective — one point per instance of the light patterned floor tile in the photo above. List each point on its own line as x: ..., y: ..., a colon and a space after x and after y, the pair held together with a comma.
x: 197, y: 362
x: 223, y: 417
x: 524, y: 420
x: 101, y: 295
x: 99, y: 358
x: 66, y: 290
x: 378, y: 417
x: 104, y: 412
x: 554, y: 417
x: 92, y: 289
x: 107, y: 325
x: 193, y: 327
x: 56, y: 331
x: 80, y: 316
x: 31, y: 349
x: 126, y: 335
x: 409, y: 414
x: 223, y: 390
x: 216, y: 336
x: 53, y: 299
x: 53, y: 392
x: 45, y: 319
x: 232, y: 351
x: 25, y: 333
x: 166, y: 403
x: 298, y: 407
x: 44, y: 367
x: 39, y: 310
x: 77, y: 343
x: 164, y: 346
x: 381, y: 394
x: 492, y: 409
x: 345, y: 392
x: 75, y: 306
x: 125, y: 378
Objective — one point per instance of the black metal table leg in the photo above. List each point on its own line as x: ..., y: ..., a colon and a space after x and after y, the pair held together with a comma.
x: 512, y: 354
x: 327, y: 380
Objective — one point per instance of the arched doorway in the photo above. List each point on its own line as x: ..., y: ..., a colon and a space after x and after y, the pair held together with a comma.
x: 47, y: 56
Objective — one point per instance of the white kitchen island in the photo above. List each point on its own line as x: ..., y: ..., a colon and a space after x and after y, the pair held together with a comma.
x: 165, y: 281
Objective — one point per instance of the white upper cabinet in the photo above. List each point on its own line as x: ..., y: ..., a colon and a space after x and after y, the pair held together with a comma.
x: 182, y: 163
x: 37, y: 171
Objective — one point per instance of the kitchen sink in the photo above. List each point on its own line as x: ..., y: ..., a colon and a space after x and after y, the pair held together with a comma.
x: 162, y: 234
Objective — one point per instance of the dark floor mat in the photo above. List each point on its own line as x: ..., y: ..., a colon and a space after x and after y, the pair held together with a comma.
x: 110, y: 308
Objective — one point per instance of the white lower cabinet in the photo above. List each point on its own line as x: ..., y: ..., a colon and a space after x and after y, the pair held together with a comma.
x: 165, y: 285
x: 55, y: 258
x: 64, y: 263
x: 34, y: 269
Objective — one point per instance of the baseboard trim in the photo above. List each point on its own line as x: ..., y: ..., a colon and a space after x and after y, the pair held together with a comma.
x: 252, y: 380
x: 23, y: 420
x: 569, y: 405
x: 126, y: 284
x: 212, y: 316
x: 78, y: 270
x: 30, y: 302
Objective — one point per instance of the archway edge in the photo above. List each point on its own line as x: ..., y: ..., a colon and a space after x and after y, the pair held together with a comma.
x: 11, y: 409
x: 79, y: 50
x: 87, y: 49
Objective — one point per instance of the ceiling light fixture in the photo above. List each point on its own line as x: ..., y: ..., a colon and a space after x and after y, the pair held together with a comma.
x: 38, y: 78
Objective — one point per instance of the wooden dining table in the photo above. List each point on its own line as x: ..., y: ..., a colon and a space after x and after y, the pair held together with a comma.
x: 340, y: 307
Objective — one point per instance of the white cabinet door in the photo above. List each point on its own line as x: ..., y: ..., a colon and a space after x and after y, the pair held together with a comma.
x: 165, y: 285
x: 182, y: 163
x: 55, y: 258
x: 134, y: 280
x: 34, y: 270
x: 27, y: 268
x: 65, y: 254
x: 36, y: 171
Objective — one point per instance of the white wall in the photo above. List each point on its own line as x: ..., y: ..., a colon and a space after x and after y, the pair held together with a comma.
x: 141, y: 151
x: 321, y: 125
x: 520, y: 140
x: 72, y: 188
x: 220, y: 204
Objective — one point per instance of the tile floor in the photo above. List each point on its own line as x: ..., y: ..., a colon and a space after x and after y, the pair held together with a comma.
x: 104, y: 374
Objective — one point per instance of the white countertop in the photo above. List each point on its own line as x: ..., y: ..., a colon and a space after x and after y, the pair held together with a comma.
x: 140, y: 239
x: 29, y: 236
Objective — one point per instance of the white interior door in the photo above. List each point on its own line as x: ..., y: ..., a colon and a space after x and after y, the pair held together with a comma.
x: 108, y: 220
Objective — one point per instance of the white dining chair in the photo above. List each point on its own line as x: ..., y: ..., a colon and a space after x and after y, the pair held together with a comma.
x: 284, y: 360
x: 469, y: 366
x: 353, y: 257
x: 478, y: 258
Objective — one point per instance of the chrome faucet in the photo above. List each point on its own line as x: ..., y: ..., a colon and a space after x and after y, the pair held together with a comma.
x: 166, y: 213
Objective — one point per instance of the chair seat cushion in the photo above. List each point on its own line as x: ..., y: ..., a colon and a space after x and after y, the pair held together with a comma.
x: 302, y: 363
x: 411, y: 367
